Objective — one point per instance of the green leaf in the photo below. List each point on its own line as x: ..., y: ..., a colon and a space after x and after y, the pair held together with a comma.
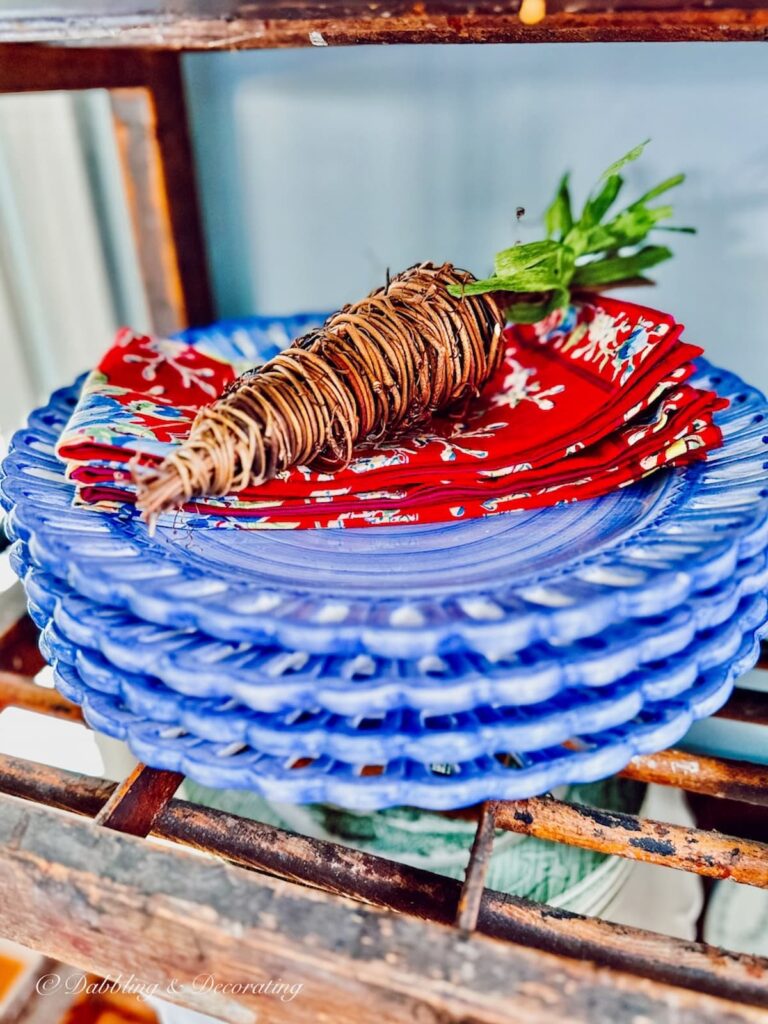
x: 630, y: 227
x: 659, y: 189
x: 679, y: 231
x: 489, y: 284
x: 565, y: 261
x: 641, y: 219
x: 545, y: 271
x: 633, y: 154
x: 619, y: 268
x: 576, y: 239
x: 521, y: 257
x: 552, y: 273
x: 536, y: 279
x: 532, y: 312
x: 597, y: 207
x: 558, y: 218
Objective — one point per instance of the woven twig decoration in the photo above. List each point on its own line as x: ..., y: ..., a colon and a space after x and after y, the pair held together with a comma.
x: 374, y: 369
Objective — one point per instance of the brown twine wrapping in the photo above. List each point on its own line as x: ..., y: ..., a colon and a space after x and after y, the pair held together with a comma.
x: 375, y: 369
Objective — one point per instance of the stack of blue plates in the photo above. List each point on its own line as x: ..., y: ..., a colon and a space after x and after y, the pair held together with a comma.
x: 434, y: 665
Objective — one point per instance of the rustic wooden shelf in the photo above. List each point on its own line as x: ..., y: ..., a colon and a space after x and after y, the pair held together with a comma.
x: 361, y: 933
x: 227, y: 25
x: 126, y: 879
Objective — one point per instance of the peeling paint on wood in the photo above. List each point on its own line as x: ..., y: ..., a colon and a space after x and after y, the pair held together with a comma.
x: 710, y: 776
x: 182, y: 26
x: 110, y: 902
x: 706, y: 853
x: 412, y: 891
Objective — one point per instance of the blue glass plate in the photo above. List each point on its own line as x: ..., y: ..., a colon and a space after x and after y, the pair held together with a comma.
x: 401, y: 781
x: 420, y: 736
x: 271, y: 679
x: 493, y: 586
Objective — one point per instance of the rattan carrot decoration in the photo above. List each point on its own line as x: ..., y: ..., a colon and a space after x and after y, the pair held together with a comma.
x: 426, y: 342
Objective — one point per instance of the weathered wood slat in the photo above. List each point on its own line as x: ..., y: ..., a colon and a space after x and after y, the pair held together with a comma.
x: 18, y: 648
x: 423, y: 894
x: 710, y: 776
x: 177, y: 159
x: 26, y: 67
x: 110, y: 902
x: 18, y: 691
x: 611, y: 832
x: 54, y: 787
x: 158, y: 177
x: 134, y: 121
x: 259, y: 25
x: 746, y: 706
x: 471, y: 895
x: 138, y: 801
x: 153, y: 143
x: 688, y: 849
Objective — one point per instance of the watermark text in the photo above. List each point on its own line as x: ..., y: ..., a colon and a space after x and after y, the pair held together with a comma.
x: 128, y: 984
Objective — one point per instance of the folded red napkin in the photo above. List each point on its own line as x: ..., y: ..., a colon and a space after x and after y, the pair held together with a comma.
x: 679, y: 431
x: 590, y: 399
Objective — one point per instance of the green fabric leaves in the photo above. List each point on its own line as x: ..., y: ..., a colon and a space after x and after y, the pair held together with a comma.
x: 590, y: 252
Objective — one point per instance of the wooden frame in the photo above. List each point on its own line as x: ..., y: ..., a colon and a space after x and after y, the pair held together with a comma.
x: 159, y: 913
x: 163, y: 918
x: 260, y: 24
x: 119, y: 905
x: 149, y: 114
x: 82, y: 874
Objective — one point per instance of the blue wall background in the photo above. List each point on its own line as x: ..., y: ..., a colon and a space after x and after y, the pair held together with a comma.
x: 320, y: 168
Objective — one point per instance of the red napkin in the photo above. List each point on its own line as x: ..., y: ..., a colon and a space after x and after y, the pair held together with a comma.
x: 590, y: 399
x: 678, y: 429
